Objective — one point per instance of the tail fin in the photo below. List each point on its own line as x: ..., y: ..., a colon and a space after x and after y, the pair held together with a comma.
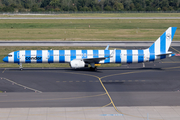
x: 162, y: 44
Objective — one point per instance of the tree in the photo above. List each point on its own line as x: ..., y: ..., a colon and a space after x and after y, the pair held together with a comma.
x: 101, y: 2
x: 164, y: 5
x: 132, y: 7
x: 54, y: 3
x: 8, y: 9
x: 89, y: 5
x: 45, y: 3
x: 34, y: 8
x: 127, y: 4
x: 108, y: 8
x: 118, y: 6
x: 5, y: 2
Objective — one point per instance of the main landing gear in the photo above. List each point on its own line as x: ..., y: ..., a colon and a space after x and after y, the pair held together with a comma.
x: 93, y: 67
x: 20, y: 66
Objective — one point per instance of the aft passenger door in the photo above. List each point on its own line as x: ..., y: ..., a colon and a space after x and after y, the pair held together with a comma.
x: 146, y: 58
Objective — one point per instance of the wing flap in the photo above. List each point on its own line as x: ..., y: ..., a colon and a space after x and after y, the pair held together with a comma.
x: 93, y: 60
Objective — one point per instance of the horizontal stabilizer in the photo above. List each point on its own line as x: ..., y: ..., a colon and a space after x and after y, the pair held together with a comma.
x: 168, y: 53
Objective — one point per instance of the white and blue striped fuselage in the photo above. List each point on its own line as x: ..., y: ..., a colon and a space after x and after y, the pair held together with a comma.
x: 66, y: 56
x: 81, y: 58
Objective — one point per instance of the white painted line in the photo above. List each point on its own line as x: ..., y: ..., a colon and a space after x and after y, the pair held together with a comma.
x: 111, y: 114
x: 23, y: 86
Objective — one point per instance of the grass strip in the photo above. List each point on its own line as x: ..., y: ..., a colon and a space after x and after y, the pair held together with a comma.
x: 84, y: 30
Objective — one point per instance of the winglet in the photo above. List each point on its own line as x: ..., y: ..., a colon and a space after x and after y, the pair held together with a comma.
x: 107, y: 48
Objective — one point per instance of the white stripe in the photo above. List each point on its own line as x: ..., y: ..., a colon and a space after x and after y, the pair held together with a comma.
x: 44, y: 56
x: 112, y: 59
x: 90, y: 53
x: 146, y: 55
x: 78, y: 54
x: 11, y: 59
x: 134, y: 56
x: 157, y: 46
x: 168, y: 38
x: 123, y: 56
x: 101, y: 55
x: 22, y: 56
x: 33, y: 55
x: 67, y: 55
x: 56, y: 56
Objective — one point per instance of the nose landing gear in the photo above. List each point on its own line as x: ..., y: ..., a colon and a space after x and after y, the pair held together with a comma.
x: 20, y: 66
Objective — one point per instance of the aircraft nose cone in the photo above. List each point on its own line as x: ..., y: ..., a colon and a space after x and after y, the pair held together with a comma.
x: 5, y: 59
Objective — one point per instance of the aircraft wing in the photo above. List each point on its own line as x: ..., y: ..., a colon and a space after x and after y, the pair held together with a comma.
x: 94, y: 60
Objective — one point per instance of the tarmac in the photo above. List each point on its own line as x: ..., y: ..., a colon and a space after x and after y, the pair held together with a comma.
x: 129, y: 92
x: 82, y: 43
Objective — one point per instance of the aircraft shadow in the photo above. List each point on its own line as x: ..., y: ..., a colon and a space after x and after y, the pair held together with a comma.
x: 133, y: 69
x: 82, y: 69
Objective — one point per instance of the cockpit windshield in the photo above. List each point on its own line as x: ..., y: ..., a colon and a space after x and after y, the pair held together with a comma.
x: 9, y: 55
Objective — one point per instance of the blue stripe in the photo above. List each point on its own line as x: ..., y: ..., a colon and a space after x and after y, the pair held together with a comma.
x: 61, y: 56
x: 84, y: 53
x: 173, y: 30
x: 95, y: 55
x: 50, y: 56
x: 140, y: 56
x: 73, y: 54
x: 39, y: 56
x: 129, y: 56
x: 28, y: 56
x: 107, y: 54
x: 118, y: 56
x: 163, y: 56
x: 16, y: 60
x: 152, y: 53
x: 163, y: 43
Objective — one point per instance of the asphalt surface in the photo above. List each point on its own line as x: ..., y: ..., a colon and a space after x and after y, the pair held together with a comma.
x: 82, y: 43
x: 156, y: 84
x: 89, y: 18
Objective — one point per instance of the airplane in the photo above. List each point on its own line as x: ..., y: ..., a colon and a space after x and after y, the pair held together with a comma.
x: 84, y: 58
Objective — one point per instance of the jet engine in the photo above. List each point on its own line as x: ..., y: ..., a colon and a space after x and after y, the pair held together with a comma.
x: 77, y: 64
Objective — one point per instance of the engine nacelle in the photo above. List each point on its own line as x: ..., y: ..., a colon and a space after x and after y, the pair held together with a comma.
x: 77, y: 63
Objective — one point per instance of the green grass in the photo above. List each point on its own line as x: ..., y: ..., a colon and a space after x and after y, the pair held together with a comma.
x: 78, y: 30
x: 102, y: 15
x: 5, y: 50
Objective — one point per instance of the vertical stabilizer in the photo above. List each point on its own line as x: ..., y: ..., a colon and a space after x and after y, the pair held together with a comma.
x: 162, y: 44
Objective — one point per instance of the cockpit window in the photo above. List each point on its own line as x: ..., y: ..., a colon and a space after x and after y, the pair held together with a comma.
x: 9, y: 55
